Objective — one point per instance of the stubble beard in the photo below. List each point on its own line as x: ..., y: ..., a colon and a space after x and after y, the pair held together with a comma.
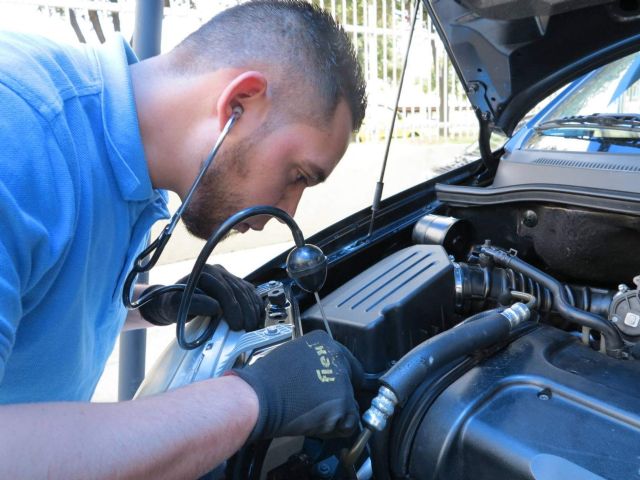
x: 217, y: 197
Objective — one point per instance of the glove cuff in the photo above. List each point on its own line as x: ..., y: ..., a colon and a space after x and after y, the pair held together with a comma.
x: 151, y: 314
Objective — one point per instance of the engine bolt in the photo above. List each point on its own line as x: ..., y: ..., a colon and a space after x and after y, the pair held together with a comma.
x: 272, y: 330
x: 544, y: 394
x: 530, y: 219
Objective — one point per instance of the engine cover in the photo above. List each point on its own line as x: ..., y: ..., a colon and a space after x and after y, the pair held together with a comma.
x: 391, y: 307
x: 545, y: 407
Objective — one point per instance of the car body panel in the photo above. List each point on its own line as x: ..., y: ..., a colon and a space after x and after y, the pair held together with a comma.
x: 507, y: 65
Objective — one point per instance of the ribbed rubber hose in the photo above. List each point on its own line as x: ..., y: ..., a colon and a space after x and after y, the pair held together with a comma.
x: 614, y: 344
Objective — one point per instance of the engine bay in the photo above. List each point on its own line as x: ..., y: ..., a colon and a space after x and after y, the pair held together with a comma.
x: 553, y: 397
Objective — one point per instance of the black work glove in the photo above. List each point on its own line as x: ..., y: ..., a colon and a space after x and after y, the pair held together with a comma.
x: 218, y: 291
x: 304, y: 387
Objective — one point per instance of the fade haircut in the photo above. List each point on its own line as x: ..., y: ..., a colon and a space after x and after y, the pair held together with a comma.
x: 302, y: 48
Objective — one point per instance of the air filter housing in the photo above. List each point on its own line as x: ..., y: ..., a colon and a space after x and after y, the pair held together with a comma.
x: 391, y: 307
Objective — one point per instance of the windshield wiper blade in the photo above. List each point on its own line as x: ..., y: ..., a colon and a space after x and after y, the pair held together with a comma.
x: 626, y: 122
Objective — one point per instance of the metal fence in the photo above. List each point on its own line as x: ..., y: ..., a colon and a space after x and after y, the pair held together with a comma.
x: 433, y: 106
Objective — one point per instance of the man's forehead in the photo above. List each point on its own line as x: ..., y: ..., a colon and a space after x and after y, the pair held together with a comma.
x: 333, y: 149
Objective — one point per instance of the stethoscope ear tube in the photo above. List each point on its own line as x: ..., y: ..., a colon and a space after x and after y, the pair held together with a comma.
x: 148, y: 258
x: 143, y: 263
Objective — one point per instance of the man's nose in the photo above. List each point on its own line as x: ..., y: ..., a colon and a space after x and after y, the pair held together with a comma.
x: 290, y: 202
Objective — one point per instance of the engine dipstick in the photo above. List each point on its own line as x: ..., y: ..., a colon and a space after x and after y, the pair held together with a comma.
x: 324, y: 316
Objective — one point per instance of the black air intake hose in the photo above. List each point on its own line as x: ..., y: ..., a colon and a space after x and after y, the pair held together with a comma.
x: 479, y: 286
x: 614, y: 344
x: 476, y: 333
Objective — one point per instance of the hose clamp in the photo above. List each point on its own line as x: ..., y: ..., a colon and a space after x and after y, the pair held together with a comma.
x: 516, y: 314
x: 457, y: 277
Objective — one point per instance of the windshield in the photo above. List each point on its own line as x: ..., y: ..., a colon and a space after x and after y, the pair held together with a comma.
x: 599, y: 114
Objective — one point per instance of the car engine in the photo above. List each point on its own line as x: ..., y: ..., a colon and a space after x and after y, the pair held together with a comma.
x: 549, y: 402
x: 555, y: 395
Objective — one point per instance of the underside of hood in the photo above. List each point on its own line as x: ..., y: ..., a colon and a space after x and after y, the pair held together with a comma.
x: 511, y: 54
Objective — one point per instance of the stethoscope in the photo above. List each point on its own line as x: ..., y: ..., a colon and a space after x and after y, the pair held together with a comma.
x: 306, y: 264
x: 148, y: 258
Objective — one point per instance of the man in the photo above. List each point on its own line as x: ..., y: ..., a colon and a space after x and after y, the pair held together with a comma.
x: 90, y: 139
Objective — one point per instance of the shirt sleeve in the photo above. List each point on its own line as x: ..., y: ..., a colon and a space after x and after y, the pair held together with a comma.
x: 33, y: 217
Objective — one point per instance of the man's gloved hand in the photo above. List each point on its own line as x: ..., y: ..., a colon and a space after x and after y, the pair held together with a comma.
x: 217, y: 291
x: 304, y: 387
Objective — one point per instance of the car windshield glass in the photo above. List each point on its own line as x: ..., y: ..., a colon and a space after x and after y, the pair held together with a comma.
x: 612, y: 89
x: 601, y: 113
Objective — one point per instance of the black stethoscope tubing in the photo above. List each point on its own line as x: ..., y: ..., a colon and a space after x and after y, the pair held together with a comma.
x: 148, y: 258
x: 201, y: 261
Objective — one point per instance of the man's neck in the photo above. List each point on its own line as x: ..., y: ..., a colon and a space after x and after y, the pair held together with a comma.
x: 164, y: 114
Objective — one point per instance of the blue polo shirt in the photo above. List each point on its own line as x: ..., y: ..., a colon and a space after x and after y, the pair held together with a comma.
x: 76, y: 204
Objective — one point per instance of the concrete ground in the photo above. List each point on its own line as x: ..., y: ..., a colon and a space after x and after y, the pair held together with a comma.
x: 349, y: 189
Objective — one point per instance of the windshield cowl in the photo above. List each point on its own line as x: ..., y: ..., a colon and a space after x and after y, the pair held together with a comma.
x: 625, y: 122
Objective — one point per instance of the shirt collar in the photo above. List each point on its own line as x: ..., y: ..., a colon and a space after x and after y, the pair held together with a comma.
x: 120, y: 121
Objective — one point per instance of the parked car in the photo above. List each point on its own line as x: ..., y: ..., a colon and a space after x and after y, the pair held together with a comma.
x: 497, y: 305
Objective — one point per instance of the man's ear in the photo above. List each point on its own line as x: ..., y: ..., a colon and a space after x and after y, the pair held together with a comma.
x: 248, y: 90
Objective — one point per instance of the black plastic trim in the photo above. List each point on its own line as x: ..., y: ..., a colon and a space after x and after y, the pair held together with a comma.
x: 605, y: 200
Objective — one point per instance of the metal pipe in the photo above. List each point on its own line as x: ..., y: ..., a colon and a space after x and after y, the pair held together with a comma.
x: 147, y: 31
x: 133, y: 344
x: 532, y: 302
x: 131, y: 364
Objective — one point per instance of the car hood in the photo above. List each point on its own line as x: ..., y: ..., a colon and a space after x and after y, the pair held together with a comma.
x: 510, y: 54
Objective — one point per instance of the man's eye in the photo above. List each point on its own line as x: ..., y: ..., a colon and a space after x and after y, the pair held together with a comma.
x: 302, y: 178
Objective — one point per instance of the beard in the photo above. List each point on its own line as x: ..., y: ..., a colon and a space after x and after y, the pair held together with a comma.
x: 216, y: 198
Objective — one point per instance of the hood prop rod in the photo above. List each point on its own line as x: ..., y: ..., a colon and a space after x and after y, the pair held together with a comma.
x: 377, y: 196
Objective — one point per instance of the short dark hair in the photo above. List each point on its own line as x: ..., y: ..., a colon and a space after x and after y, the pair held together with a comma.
x: 299, y: 43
